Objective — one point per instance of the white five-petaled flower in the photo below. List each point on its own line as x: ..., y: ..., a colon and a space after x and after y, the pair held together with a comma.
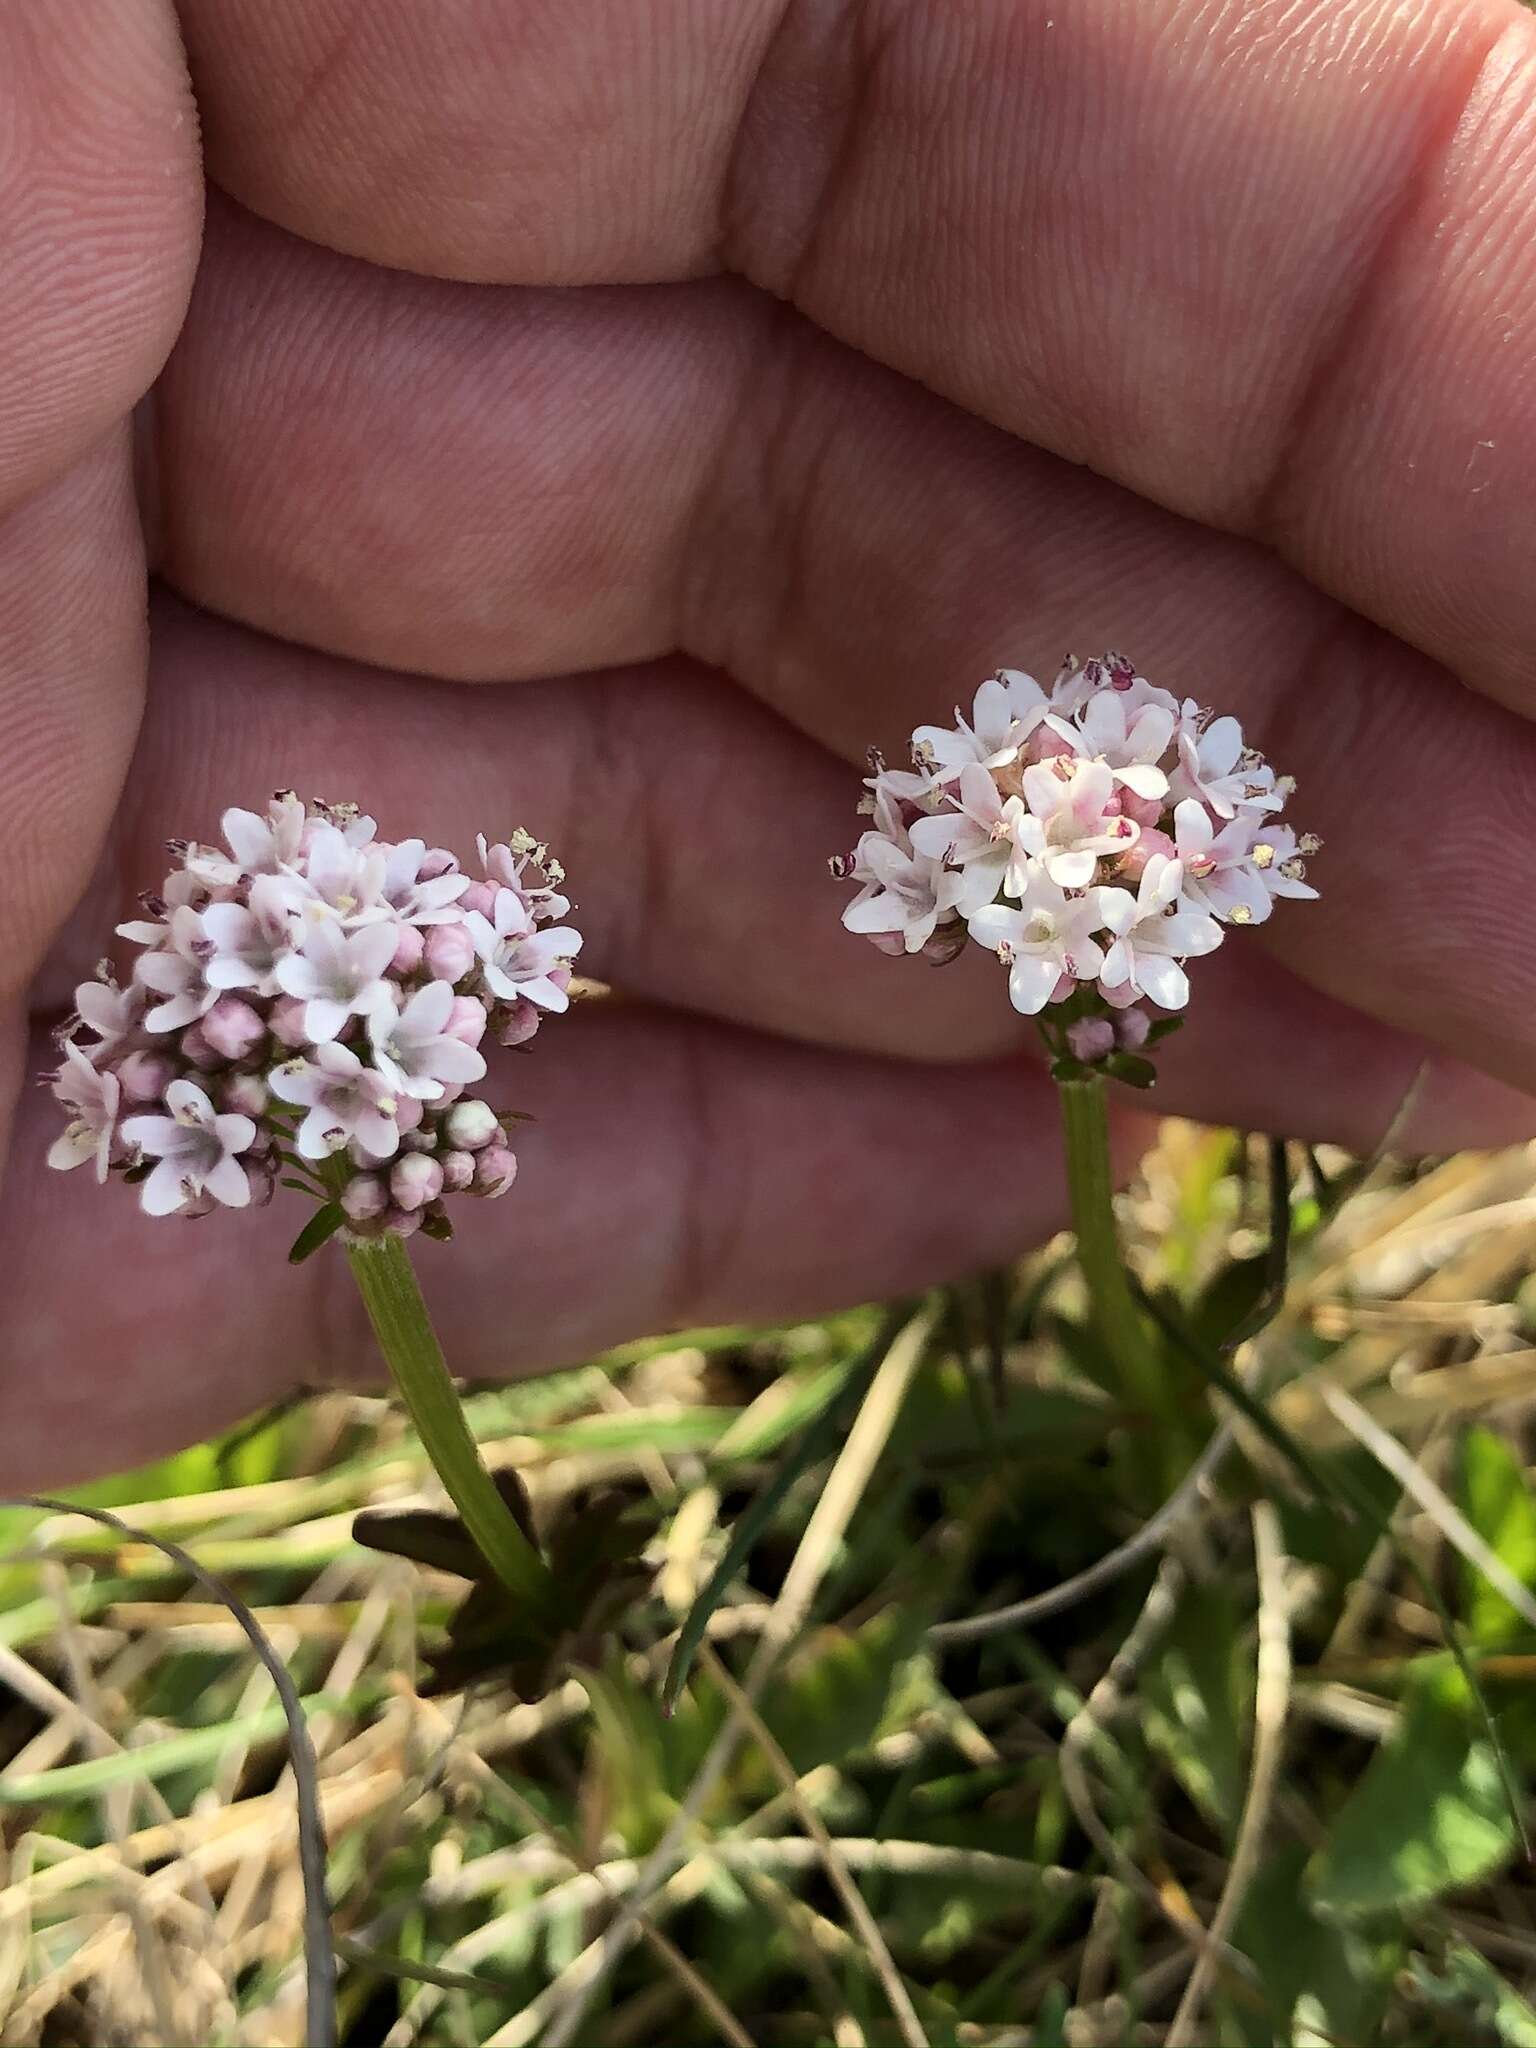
x: 1130, y: 738
x: 92, y: 1097
x: 346, y: 1101
x: 1152, y: 936
x: 1279, y: 858
x: 173, y: 970
x: 1007, y: 708
x: 1070, y: 826
x: 1049, y: 935
x: 1215, y: 767
x: 345, y: 875
x: 112, y: 1013
x: 521, y: 869
x: 197, y: 1152
x: 417, y: 898
x: 979, y: 836
x: 1219, y: 874
x: 412, y: 1046
x: 519, y: 958
x: 339, y: 974
x: 249, y: 940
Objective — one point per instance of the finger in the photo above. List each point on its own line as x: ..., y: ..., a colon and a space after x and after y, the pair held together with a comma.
x: 72, y: 648
x: 1199, y: 250
x: 693, y: 825
x: 856, y: 550
x: 100, y: 199
x: 678, y: 1173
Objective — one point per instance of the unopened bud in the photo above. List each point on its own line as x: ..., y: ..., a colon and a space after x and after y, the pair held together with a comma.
x: 1131, y: 1028
x: 1133, y: 861
x: 450, y: 952
x: 245, y: 1094
x: 458, y: 1171
x: 1091, y: 1038
x: 233, y: 1028
x: 415, y: 1180
x: 479, y: 896
x: 365, y: 1197
x: 495, y: 1170
x: 145, y: 1076
x: 471, y: 1124
x: 285, y: 1021
x: 466, y: 1021
x: 409, y: 946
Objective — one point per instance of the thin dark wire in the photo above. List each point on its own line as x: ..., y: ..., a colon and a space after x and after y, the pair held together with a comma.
x: 319, y: 1955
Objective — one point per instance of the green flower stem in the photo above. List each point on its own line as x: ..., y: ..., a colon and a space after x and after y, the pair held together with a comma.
x: 387, y: 1281
x: 1126, y: 1336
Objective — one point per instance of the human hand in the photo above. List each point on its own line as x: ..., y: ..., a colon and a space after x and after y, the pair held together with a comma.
x: 907, y: 340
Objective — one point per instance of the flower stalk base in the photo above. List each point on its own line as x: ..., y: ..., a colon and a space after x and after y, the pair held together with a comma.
x: 1085, y: 1125
x: 387, y: 1282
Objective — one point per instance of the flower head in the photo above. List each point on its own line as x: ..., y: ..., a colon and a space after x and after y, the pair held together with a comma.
x: 1095, y: 836
x: 310, y: 995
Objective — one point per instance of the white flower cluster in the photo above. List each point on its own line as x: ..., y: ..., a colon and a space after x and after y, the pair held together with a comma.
x: 310, y: 998
x: 1094, y: 835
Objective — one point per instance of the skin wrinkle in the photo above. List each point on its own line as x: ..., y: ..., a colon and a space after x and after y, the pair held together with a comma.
x: 1276, y: 509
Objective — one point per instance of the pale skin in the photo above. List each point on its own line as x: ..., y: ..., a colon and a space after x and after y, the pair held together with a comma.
x: 907, y: 338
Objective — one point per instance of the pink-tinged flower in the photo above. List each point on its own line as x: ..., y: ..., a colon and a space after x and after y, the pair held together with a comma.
x: 92, y: 1098
x: 1050, y: 935
x: 1007, y: 708
x: 904, y: 893
x: 338, y: 975
x: 1131, y: 738
x: 518, y: 958
x: 248, y: 940
x: 345, y: 875
x: 1070, y: 825
x: 197, y: 1150
x: 1219, y: 874
x: 174, y: 970
x: 416, y: 889
x: 1215, y: 768
x: 1278, y: 858
x: 413, y: 1047
x: 113, y: 1013
x: 450, y: 951
x: 257, y: 845
x: 346, y: 1101
x: 1152, y: 936
x: 979, y: 836
x: 525, y: 867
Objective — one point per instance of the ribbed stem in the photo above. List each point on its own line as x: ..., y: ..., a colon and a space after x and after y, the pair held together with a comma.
x: 1126, y: 1336
x: 387, y: 1281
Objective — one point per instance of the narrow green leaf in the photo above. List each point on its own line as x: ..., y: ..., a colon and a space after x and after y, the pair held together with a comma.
x: 319, y: 1230
x: 1132, y: 1069
x: 181, y: 1752
x: 1501, y: 1507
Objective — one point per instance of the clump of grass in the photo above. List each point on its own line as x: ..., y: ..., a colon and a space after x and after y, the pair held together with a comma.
x: 991, y: 1737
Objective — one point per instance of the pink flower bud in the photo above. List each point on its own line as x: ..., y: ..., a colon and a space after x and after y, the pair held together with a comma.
x: 403, y: 1222
x: 245, y: 1095
x: 1146, y: 810
x: 437, y: 860
x: 519, y: 1021
x: 495, y: 1170
x: 195, y: 1047
x: 1131, y: 1028
x: 233, y: 1028
x: 285, y: 1021
x: 409, y: 946
x: 1046, y: 744
x: 415, y: 1180
x: 458, y: 1171
x: 888, y: 943
x: 479, y: 896
x: 466, y: 1020
x: 945, y: 944
x: 261, y: 1179
x: 145, y: 1076
x: 1135, y: 858
x: 365, y: 1198
x: 471, y: 1125
x: 408, y: 1113
x: 421, y: 1140
x: 450, y: 952
x: 1090, y: 1038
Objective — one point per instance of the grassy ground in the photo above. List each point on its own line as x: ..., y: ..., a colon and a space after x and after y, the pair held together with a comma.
x: 1260, y: 1777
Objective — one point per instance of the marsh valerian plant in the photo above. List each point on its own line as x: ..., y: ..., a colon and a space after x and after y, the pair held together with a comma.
x: 1095, y: 836
x: 307, y: 1005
